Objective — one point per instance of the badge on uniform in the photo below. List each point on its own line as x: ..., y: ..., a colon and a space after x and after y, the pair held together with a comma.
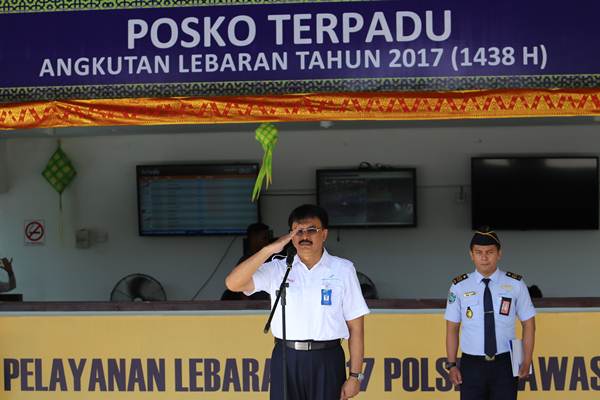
x: 508, y: 288
x: 505, y: 306
x: 451, y: 297
x: 469, y: 313
x: 325, y: 297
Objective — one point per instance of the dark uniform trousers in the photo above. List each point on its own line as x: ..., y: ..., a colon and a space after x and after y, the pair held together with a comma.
x: 312, y: 375
x: 487, y: 380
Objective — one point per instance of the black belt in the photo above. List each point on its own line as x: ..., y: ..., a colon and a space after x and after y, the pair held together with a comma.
x: 497, y: 357
x: 307, y: 345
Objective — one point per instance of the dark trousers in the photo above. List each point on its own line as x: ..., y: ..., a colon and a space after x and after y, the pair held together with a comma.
x: 487, y: 380
x: 312, y: 375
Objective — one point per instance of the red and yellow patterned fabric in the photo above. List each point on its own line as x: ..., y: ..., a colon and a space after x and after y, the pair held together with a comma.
x: 302, y: 107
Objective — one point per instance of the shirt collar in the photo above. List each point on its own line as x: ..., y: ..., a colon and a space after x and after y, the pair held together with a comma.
x: 324, y: 260
x: 495, y: 277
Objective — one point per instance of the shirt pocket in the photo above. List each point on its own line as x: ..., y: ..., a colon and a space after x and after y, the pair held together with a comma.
x: 471, y: 309
x: 294, y: 295
x: 330, y: 296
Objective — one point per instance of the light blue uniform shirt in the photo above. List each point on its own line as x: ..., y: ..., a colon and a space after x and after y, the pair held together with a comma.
x: 465, y: 306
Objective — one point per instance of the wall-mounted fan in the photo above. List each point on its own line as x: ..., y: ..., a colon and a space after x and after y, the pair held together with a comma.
x: 138, y: 287
x: 367, y: 287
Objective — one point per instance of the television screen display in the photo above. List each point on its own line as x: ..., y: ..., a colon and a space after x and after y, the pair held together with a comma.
x: 535, y: 192
x: 368, y: 197
x: 196, y: 199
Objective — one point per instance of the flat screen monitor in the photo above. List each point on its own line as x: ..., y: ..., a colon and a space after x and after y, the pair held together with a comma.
x: 187, y: 200
x: 368, y: 197
x: 535, y: 192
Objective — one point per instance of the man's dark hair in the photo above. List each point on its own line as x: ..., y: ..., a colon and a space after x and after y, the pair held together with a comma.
x: 256, y: 227
x: 309, y: 211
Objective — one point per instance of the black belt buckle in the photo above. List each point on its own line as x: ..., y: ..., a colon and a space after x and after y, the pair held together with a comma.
x: 490, y: 358
x: 308, y: 345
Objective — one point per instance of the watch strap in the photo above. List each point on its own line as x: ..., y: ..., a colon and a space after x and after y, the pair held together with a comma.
x: 357, y: 375
x: 449, y: 365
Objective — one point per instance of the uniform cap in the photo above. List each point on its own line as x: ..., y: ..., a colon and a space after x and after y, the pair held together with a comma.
x: 485, y: 237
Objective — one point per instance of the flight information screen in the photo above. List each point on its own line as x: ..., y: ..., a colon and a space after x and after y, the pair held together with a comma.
x: 189, y: 200
x: 368, y: 197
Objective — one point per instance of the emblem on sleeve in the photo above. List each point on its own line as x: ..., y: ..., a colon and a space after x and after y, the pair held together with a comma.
x: 451, y: 297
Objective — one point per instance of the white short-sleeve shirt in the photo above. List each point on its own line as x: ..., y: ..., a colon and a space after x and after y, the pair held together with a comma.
x: 510, y: 298
x: 319, y: 300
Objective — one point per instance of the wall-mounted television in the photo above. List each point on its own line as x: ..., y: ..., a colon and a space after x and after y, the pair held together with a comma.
x: 368, y: 197
x: 196, y: 199
x: 535, y: 192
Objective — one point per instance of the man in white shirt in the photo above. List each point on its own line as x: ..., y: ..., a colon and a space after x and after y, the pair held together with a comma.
x: 484, y: 306
x: 324, y: 304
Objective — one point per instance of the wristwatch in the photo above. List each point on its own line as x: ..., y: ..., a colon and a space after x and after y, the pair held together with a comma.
x: 448, y: 365
x: 358, y: 375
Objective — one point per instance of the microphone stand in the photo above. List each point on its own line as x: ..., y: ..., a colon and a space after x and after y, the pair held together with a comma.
x: 281, y: 295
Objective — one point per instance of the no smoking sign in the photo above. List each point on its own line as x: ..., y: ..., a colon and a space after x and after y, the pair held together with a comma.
x: 35, y: 232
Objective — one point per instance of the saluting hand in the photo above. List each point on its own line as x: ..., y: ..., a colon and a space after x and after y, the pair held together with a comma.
x: 278, y: 245
x: 455, y: 376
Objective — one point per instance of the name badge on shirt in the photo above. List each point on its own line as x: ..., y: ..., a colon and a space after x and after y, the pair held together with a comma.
x: 325, y: 297
x: 505, y: 306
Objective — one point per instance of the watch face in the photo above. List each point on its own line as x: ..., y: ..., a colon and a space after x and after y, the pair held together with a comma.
x: 358, y: 375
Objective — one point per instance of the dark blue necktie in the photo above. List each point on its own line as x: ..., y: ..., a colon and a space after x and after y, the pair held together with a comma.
x: 489, y: 326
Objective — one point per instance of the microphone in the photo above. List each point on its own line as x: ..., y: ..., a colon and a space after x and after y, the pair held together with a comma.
x: 291, y: 252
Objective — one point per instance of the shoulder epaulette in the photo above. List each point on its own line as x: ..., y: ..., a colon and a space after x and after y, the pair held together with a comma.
x: 514, y: 276
x: 459, y: 278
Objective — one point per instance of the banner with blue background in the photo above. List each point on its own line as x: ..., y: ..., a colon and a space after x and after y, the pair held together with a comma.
x: 123, y: 49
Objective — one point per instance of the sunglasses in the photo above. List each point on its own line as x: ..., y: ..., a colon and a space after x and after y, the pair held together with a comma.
x: 307, y: 231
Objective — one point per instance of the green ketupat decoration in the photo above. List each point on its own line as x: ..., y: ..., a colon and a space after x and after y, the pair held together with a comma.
x: 266, y: 135
x: 59, y: 172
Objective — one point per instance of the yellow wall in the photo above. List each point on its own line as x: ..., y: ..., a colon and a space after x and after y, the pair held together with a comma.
x: 224, y: 357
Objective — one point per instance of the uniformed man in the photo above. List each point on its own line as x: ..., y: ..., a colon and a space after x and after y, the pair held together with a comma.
x: 324, y: 304
x: 484, y: 306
